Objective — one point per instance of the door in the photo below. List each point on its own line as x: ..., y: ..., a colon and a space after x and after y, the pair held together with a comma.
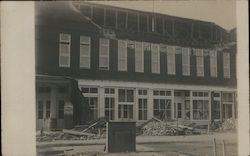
x: 179, y: 108
x: 43, y: 114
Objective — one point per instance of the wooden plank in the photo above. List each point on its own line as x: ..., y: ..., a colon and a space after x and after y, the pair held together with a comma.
x: 77, y: 133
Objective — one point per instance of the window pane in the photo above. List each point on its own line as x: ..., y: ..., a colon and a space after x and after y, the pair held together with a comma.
x: 155, y: 56
x: 122, y: 55
x: 121, y: 95
x: 139, y: 57
x: 130, y: 96
x: 171, y: 59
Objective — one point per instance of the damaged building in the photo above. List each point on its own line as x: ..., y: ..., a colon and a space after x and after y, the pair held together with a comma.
x: 97, y: 61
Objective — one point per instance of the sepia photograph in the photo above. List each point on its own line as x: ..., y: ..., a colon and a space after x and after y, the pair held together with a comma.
x: 138, y: 78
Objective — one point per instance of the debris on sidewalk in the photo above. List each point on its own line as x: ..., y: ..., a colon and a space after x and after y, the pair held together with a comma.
x: 94, y: 130
x: 229, y: 124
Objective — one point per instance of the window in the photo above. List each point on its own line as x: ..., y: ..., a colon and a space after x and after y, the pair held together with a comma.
x: 104, y: 54
x: 213, y: 63
x: 186, y: 61
x: 64, y: 50
x: 61, y: 109
x: 121, y: 20
x: 122, y: 55
x: 109, y: 91
x: 98, y: 15
x: 132, y: 21
x: 48, y: 109
x: 142, y: 92
x: 126, y: 95
x: 171, y: 59
x: 161, y: 93
x: 155, y: 57
x: 110, y: 108
x: 227, y: 105
x: 216, y: 110
x: 200, y: 109
x: 89, y: 90
x: 226, y: 65
x: 200, y: 94
x: 125, y: 105
x: 142, y: 109
x: 162, y: 109
x: 199, y: 62
x: 40, y: 109
x: 143, y: 23
x: 139, y: 57
x: 84, y: 52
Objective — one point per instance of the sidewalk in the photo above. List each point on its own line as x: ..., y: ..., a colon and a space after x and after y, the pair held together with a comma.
x: 145, y: 139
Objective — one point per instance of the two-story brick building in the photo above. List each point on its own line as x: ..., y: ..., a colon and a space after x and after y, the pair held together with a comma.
x: 131, y: 65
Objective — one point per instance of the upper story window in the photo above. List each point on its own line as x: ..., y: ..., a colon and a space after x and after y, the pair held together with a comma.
x: 226, y: 65
x: 139, y: 57
x: 122, y: 55
x: 89, y: 90
x: 109, y: 90
x: 199, y: 62
x: 186, y: 61
x: 64, y: 50
x: 155, y: 57
x: 213, y: 63
x: 84, y: 52
x: 104, y: 54
x: 162, y: 93
x: 171, y: 59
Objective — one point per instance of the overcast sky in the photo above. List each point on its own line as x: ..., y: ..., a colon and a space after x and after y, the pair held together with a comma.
x: 221, y: 12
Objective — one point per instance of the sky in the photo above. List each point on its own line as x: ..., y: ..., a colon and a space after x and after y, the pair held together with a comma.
x: 221, y: 12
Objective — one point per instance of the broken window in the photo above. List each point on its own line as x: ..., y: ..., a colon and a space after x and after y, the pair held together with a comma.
x: 110, y: 18
x: 162, y: 109
x: 64, y: 50
x: 110, y: 108
x: 121, y: 20
x: 84, y: 52
x: 98, y: 15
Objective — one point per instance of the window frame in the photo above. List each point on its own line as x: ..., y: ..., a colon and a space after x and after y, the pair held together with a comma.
x: 67, y: 43
x: 171, y: 62
x: 199, y: 55
x: 139, y: 57
x: 186, y: 56
x: 82, y: 53
x: 226, y: 65
x: 213, y: 63
x: 101, y: 55
x: 125, y: 59
x: 155, y: 62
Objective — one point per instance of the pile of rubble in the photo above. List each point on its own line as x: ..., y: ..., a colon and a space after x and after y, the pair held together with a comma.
x: 95, y: 130
x: 156, y: 127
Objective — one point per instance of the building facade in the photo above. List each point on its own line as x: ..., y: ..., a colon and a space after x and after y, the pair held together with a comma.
x: 132, y: 65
